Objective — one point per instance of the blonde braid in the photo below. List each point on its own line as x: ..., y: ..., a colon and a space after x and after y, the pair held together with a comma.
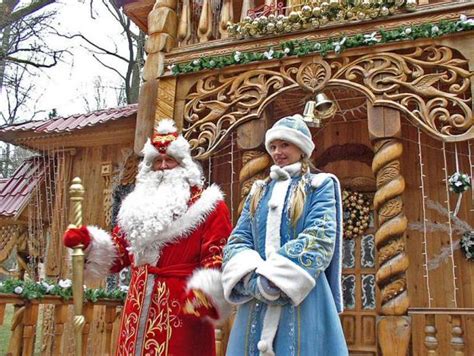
x: 257, y: 195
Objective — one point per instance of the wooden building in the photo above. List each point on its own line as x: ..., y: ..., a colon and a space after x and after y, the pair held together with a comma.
x: 398, y: 75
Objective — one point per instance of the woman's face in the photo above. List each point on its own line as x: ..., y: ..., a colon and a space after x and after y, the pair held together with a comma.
x: 284, y: 153
x: 163, y: 162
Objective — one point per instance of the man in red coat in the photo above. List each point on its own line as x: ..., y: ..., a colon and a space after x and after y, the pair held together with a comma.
x: 171, y: 232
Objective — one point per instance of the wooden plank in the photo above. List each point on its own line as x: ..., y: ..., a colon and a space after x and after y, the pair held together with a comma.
x: 60, y: 318
x: 146, y: 113
x: 30, y: 319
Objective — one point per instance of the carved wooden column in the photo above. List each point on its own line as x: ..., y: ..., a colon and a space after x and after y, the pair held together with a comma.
x: 162, y: 33
x: 394, y: 326
x: 431, y: 341
x: 457, y: 340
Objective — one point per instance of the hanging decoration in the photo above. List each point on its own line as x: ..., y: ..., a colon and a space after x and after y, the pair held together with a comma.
x: 314, y: 15
x: 467, y: 245
x: 459, y: 182
x: 356, y: 208
x: 335, y: 44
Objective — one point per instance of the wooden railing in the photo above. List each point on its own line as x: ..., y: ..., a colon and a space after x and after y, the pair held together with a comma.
x: 442, y: 331
x: 210, y: 22
x: 26, y: 316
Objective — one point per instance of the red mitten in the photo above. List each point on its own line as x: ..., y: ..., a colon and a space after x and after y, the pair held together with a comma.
x: 76, y: 236
x: 197, y: 303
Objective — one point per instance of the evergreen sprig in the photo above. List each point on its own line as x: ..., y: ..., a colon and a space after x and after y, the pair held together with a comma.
x: 37, y: 290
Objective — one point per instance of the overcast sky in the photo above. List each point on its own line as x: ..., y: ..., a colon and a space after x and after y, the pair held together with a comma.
x: 64, y: 86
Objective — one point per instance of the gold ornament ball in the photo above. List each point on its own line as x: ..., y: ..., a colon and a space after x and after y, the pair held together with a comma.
x: 279, y: 25
x: 247, y: 19
x: 333, y: 3
x: 360, y: 15
x: 254, y: 24
x: 306, y: 11
x: 271, y: 18
x: 293, y: 17
x: 296, y: 26
x: 270, y: 27
x: 324, y: 20
x: 280, y: 17
x: 288, y: 28
x: 315, y: 23
x: 384, y: 11
x: 263, y: 19
x: 324, y: 5
x: 316, y: 11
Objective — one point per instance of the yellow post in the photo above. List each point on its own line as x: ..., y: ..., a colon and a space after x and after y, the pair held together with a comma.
x: 76, y: 193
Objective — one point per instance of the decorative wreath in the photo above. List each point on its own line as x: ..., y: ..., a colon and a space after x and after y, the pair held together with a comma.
x: 356, y: 213
x: 467, y: 245
x: 459, y: 182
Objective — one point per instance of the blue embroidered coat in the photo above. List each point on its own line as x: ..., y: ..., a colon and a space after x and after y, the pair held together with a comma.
x: 302, y: 261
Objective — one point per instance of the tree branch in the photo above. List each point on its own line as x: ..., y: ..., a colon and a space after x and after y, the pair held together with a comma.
x: 8, y: 17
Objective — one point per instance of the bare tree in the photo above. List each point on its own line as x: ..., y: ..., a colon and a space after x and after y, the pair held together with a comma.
x: 134, y: 56
x: 23, y: 28
x: 16, y: 97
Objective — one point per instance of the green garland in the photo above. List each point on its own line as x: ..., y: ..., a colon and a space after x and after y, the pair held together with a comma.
x: 305, y: 47
x: 37, y: 290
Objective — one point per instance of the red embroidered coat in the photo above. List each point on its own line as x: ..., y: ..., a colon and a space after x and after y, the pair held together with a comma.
x: 153, y: 322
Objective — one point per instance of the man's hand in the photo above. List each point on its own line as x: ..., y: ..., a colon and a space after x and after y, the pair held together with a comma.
x: 76, y: 236
x: 199, y: 305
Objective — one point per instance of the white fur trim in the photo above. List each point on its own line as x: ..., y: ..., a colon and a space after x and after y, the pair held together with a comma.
x: 195, y: 216
x: 259, y: 183
x: 269, y: 329
x: 277, y: 172
x: 101, y: 253
x: 209, y: 280
x: 318, y: 179
x: 272, y: 237
x: 293, y: 136
x: 292, y: 280
x: 237, y: 268
x: 166, y: 126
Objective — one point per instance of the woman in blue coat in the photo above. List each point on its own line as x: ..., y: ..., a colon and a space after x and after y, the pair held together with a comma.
x: 282, y: 263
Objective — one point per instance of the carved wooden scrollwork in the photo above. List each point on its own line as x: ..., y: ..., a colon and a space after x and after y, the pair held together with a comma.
x: 428, y: 84
x: 222, y: 102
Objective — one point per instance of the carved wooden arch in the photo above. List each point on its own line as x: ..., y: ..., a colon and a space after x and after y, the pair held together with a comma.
x: 429, y: 84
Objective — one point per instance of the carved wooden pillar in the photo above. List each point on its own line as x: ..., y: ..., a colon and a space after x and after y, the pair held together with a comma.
x: 246, y: 6
x: 254, y: 166
x: 394, y: 326
x: 184, y: 25
x: 162, y: 33
x: 431, y: 341
x: 204, y: 29
x: 457, y: 340
x: 227, y: 14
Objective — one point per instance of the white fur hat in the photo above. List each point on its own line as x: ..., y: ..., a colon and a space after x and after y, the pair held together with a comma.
x: 294, y: 130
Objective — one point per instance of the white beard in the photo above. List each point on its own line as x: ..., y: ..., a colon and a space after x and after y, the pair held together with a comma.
x: 158, y: 199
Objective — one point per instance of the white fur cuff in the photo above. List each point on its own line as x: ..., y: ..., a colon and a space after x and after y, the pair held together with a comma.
x: 101, y: 254
x: 292, y: 280
x: 237, y: 268
x: 209, y: 280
